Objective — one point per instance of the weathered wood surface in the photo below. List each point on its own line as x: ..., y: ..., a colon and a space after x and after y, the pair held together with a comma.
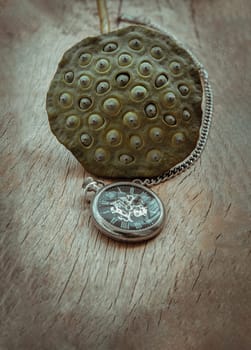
x: 63, y: 285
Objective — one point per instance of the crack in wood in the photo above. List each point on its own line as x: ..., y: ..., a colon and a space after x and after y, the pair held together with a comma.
x: 197, y: 278
x: 68, y: 280
x: 138, y: 273
x: 122, y: 278
x: 212, y: 258
x: 228, y: 209
x: 198, y: 298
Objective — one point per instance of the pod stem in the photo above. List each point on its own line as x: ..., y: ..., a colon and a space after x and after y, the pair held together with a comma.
x: 103, y: 16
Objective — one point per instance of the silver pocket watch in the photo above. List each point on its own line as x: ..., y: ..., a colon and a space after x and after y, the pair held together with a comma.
x: 125, y: 211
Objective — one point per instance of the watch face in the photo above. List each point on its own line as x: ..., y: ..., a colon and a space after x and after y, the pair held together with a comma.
x: 128, y: 212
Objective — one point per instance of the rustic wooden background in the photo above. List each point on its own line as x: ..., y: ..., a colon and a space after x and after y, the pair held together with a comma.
x: 64, y: 286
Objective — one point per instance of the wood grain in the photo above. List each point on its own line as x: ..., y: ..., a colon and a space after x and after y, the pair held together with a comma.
x: 63, y: 285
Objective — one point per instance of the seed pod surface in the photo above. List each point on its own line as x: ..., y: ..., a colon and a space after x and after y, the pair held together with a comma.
x: 127, y: 103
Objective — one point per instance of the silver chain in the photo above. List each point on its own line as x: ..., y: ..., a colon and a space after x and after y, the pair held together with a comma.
x: 196, y: 153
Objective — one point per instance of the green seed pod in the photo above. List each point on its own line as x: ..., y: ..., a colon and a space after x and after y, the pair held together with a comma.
x: 127, y: 103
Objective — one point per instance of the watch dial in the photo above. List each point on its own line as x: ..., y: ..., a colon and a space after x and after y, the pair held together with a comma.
x: 128, y: 207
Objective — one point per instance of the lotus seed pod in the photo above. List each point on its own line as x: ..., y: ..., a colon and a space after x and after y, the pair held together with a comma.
x: 72, y: 122
x: 135, y: 44
x: 109, y: 47
x: 86, y: 139
x: 102, y: 65
x: 136, y: 141
x: 85, y: 103
x: 95, y: 121
x: 65, y: 100
x: 170, y: 119
x: 84, y: 59
x: 102, y: 87
x: 84, y: 81
x: 157, y: 52
x: 151, y: 110
x: 125, y: 159
x: 186, y: 114
x: 124, y: 59
x: 178, y: 138
x: 156, y: 134
x: 154, y: 156
x: 138, y: 93
x: 169, y: 99
x: 122, y: 79
x: 127, y: 103
x: 100, y: 155
x: 131, y: 120
x: 161, y: 80
x: 175, y: 67
x: 184, y: 90
x: 113, y: 137
x: 111, y: 106
x: 68, y: 77
x: 145, y: 68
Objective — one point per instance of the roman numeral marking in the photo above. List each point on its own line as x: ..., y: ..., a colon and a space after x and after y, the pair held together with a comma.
x: 107, y: 211
x: 124, y: 225
x: 104, y: 202
x: 138, y: 225
x: 144, y: 196
x: 114, y: 220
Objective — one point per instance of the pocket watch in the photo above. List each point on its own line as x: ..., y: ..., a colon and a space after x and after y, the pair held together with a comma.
x: 126, y: 211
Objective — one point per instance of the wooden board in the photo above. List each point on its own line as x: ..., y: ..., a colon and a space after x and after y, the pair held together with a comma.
x: 63, y: 285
